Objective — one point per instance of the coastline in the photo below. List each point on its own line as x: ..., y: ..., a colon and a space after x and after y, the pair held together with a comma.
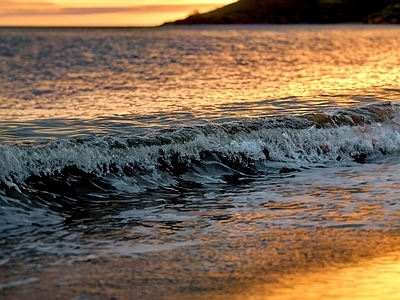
x: 297, y: 12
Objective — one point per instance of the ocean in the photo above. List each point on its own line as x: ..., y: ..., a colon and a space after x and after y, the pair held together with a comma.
x: 203, y: 162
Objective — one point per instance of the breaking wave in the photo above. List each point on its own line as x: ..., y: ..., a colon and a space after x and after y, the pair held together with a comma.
x: 204, y: 153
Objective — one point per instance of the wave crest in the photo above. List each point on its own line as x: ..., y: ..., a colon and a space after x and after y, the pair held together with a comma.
x: 249, y: 147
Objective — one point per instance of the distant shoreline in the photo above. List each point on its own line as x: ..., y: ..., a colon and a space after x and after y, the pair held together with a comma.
x: 190, y: 25
x: 297, y: 12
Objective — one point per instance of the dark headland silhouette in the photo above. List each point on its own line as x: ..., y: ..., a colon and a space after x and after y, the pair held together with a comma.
x: 299, y: 11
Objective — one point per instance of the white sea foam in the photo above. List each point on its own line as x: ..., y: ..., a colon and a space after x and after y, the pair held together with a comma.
x: 247, y: 143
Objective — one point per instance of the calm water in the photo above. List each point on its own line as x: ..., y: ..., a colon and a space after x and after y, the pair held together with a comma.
x: 219, y: 153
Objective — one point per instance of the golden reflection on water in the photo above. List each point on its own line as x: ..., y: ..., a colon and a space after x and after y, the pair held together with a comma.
x: 377, y: 278
x: 209, y: 74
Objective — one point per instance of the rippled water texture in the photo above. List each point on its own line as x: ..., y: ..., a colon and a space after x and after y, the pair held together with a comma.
x: 218, y: 162
x: 62, y: 83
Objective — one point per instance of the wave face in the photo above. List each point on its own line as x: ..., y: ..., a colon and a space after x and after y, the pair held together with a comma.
x: 207, y: 152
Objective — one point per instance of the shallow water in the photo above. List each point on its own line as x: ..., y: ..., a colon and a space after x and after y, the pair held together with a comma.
x: 242, y: 143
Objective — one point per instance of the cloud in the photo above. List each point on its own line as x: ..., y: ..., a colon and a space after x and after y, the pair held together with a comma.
x: 14, y: 8
x: 10, y: 5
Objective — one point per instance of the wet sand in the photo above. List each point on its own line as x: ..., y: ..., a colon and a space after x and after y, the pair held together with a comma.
x: 277, y: 264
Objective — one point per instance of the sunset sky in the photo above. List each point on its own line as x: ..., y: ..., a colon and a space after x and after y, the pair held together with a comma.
x: 99, y: 12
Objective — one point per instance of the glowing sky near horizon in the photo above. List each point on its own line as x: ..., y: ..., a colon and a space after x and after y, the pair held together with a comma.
x: 99, y: 12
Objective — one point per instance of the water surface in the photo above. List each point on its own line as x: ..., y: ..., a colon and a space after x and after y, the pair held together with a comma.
x: 196, y: 162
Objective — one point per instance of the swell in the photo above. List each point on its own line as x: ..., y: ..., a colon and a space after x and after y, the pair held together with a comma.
x: 192, y: 153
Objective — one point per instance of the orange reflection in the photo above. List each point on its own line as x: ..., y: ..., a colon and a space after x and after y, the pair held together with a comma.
x: 378, y: 278
x: 187, y: 76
